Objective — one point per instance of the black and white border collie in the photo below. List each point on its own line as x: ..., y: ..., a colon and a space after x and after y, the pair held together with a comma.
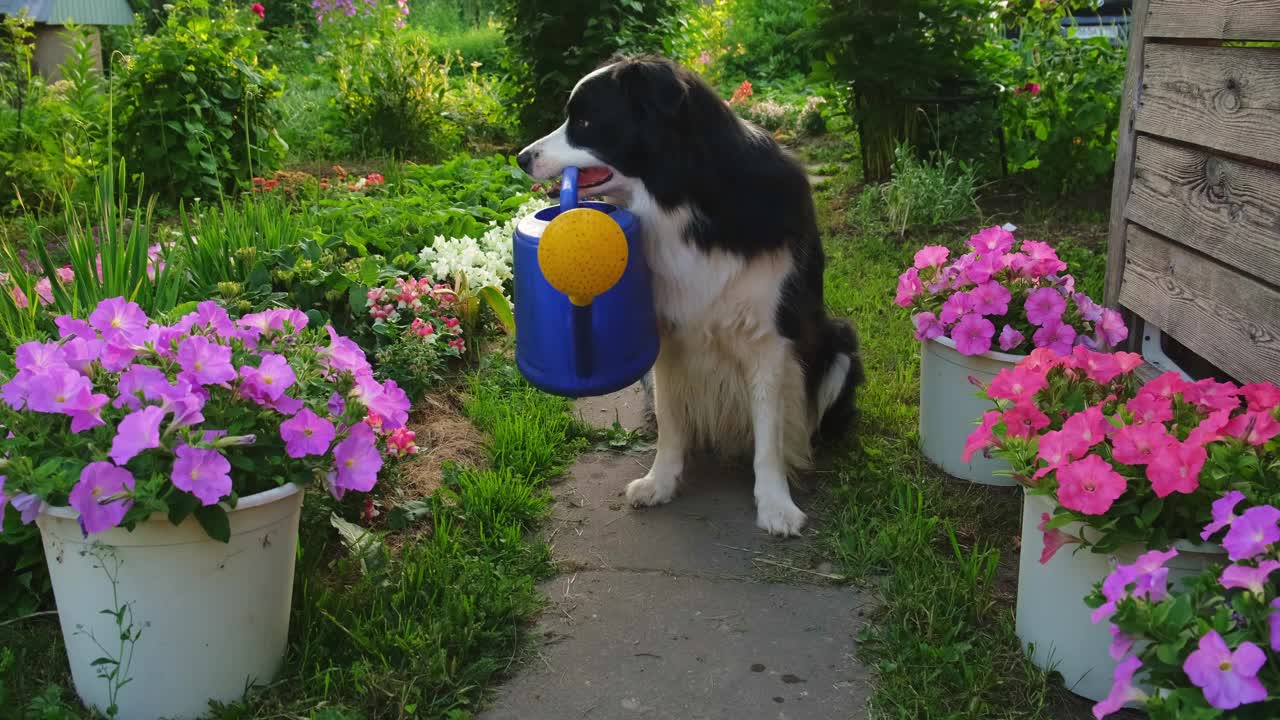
x: 749, y: 362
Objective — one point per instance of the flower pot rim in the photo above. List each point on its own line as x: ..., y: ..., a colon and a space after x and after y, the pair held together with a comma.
x: 947, y: 342
x: 248, y: 502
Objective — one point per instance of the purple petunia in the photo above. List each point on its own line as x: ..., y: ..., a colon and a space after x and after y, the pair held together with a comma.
x: 1253, y: 579
x: 356, y: 462
x: 1123, y: 690
x: 268, y: 381
x: 119, y: 321
x: 205, y: 362
x: 972, y: 335
x: 306, y: 434
x: 992, y: 240
x: 954, y: 307
x: 1224, y: 508
x: 99, y: 482
x: 990, y: 298
x: 1010, y: 338
x: 1055, y: 335
x: 202, y: 472
x: 1044, y: 305
x: 1228, y: 679
x: 927, y: 326
x: 138, y: 431
x: 1252, y: 533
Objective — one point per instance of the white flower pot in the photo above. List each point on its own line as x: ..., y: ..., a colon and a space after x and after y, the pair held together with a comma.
x: 1053, y: 622
x: 950, y: 408
x: 214, y: 617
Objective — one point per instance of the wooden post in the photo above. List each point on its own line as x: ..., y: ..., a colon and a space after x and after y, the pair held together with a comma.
x: 1123, y: 180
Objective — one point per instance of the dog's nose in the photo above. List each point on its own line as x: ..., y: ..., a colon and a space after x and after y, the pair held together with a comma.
x: 525, y: 160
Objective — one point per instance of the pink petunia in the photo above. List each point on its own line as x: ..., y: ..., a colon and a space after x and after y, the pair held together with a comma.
x: 981, y: 271
x: 1044, y: 259
x: 1101, y: 368
x: 931, y: 256
x: 1177, y: 468
x: 1053, y: 539
x: 909, y: 288
x: 1056, y: 336
x: 1085, y: 429
x: 1273, y: 625
x: 1016, y: 384
x: 982, y: 437
x: 1089, y: 485
x: 1261, y: 396
x: 990, y: 298
x: 927, y: 326
x: 100, y: 482
x: 955, y: 307
x: 1210, y: 429
x: 992, y: 240
x: 1089, y: 310
x: 1254, y: 428
x: 1043, y: 306
x: 1150, y: 408
x: 1024, y: 420
x: 1140, y: 444
x: 1010, y: 338
x: 972, y: 335
x: 1112, y: 328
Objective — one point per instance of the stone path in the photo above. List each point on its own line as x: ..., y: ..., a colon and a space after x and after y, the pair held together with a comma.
x: 666, y: 613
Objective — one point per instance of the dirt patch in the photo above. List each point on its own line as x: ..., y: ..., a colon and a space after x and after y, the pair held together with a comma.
x: 443, y: 434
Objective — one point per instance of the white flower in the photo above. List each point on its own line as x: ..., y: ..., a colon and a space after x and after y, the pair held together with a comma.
x: 484, y: 261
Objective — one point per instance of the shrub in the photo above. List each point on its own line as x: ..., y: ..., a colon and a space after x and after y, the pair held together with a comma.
x: 475, y: 110
x: 194, y: 105
x: 930, y: 192
x: 766, y: 39
x: 476, y: 45
x: 547, y: 53
x: 883, y: 51
x: 391, y: 93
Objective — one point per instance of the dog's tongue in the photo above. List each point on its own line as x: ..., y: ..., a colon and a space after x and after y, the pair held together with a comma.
x: 592, y: 176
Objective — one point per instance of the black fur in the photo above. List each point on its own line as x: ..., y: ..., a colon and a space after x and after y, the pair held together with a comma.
x: 655, y: 121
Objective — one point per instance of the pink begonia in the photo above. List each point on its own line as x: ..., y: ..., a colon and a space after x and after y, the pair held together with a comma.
x: 1089, y: 485
x: 931, y: 256
x: 972, y: 335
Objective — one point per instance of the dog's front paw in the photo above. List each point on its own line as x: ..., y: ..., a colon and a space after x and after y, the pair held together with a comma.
x: 652, y: 489
x: 779, y: 516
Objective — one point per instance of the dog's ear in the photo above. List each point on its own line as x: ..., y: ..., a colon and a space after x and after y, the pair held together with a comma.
x: 654, y: 87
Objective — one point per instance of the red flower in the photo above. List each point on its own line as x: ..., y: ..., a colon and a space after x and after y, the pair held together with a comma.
x: 375, y: 179
x: 742, y: 93
x: 259, y: 9
x: 1033, y: 88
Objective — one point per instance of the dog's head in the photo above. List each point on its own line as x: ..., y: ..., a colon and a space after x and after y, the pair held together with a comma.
x: 625, y: 123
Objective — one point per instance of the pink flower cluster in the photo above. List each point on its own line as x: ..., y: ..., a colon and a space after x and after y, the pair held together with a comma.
x: 136, y: 396
x: 1227, y: 677
x: 426, y: 305
x: 1000, y: 282
x: 332, y: 10
x: 1154, y: 439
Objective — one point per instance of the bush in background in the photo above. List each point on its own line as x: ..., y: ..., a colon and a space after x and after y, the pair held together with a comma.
x: 547, y: 53
x: 195, y: 109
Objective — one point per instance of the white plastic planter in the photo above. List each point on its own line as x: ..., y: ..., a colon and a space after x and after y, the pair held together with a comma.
x: 1053, y: 622
x: 950, y: 408
x: 214, y: 617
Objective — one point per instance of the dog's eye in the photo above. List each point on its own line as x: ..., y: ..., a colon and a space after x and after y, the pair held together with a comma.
x: 582, y: 123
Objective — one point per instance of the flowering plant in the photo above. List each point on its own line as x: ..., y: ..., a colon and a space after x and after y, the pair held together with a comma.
x: 122, y: 417
x: 1133, y: 463
x: 1005, y: 292
x: 418, y: 308
x: 1210, y: 648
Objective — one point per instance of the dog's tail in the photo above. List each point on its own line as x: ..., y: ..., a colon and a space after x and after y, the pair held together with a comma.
x: 837, y: 405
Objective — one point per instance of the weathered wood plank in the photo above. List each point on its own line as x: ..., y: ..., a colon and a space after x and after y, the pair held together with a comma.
x: 1224, y: 208
x: 1124, y: 161
x: 1229, y: 320
x: 1227, y: 99
x: 1214, y: 19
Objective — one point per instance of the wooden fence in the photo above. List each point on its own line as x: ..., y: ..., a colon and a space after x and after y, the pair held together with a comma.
x: 1194, y: 247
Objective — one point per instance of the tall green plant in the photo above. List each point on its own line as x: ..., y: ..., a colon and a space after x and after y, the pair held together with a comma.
x: 194, y: 105
x: 547, y: 52
x: 881, y: 52
x: 224, y: 248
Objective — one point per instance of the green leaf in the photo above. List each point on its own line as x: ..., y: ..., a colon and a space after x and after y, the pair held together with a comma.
x: 370, y: 269
x: 501, y: 308
x: 215, y: 522
x: 181, y: 506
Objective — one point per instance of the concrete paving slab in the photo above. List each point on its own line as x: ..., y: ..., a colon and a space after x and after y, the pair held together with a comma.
x: 625, y: 406
x: 708, y: 529
x: 651, y: 645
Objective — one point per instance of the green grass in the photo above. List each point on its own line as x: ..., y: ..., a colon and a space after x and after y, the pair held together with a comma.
x: 939, y: 552
x: 420, y: 625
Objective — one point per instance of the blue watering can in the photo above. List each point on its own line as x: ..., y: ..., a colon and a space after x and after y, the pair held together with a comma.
x: 593, y: 331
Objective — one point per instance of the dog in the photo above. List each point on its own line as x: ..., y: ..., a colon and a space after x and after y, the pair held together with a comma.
x: 749, y: 360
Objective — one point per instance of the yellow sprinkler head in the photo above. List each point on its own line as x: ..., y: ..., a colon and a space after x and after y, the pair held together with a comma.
x: 582, y: 253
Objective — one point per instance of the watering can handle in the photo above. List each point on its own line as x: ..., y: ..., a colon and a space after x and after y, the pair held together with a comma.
x: 569, y: 189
